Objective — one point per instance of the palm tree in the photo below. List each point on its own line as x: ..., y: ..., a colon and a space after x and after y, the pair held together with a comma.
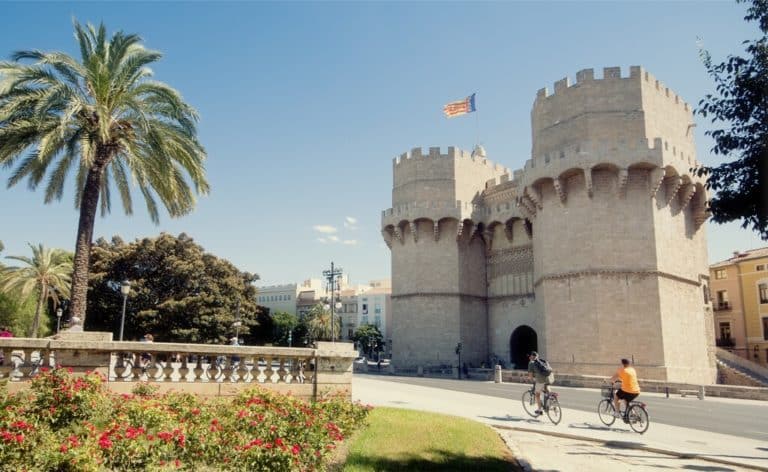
x: 320, y: 323
x: 100, y: 117
x: 48, y: 271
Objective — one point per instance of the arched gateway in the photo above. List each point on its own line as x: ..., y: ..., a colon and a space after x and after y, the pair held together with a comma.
x: 522, y: 341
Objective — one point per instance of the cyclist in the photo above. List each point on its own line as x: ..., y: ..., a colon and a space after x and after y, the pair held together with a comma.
x: 630, y: 388
x: 542, y: 380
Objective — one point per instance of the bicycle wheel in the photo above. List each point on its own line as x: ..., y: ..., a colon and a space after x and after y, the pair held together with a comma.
x: 605, y: 411
x: 553, y: 410
x: 529, y: 403
x: 638, y: 419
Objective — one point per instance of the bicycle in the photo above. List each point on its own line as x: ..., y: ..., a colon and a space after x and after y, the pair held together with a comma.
x: 634, y: 413
x: 549, y: 403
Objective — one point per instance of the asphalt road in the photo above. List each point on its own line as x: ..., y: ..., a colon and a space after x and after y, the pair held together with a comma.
x: 742, y: 418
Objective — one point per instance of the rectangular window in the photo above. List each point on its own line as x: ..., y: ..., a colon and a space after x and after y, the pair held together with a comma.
x: 377, y: 321
x: 365, y: 308
x: 725, y: 330
x: 377, y: 309
x: 722, y: 300
x: 765, y: 329
x: 720, y: 274
x: 763, y: 291
x: 760, y: 267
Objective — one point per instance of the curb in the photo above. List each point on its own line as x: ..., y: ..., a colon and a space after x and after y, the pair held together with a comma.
x: 682, y: 455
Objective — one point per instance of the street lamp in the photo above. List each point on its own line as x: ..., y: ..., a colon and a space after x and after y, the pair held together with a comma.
x: 237, y: 324
x: 290, y: 337
x: 59, y: 312
x: 125, y: 289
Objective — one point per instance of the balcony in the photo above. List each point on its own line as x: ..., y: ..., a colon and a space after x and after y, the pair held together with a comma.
x: 725, y: 342
x: 721, y: 306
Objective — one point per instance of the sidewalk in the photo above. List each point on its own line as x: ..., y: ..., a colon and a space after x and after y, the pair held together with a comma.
x: 580, y: 440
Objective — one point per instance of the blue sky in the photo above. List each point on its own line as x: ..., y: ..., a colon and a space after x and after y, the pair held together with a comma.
x: 304, y: 105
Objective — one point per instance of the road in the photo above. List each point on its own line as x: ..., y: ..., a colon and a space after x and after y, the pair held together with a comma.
x: 742, y: 418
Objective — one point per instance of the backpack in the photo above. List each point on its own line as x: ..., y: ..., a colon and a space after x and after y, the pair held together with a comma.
x: 542, y: 366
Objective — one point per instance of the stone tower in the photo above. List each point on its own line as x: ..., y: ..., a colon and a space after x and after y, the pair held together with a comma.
x: 594, y: 251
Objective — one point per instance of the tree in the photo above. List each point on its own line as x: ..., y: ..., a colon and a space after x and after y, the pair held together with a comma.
x: 320, y: 323
x: 101, y: 117
x: 48, y: 272
x: 369, y: 338
x: 179, y: 293
x: 741, y: 106
x: 282, y: 324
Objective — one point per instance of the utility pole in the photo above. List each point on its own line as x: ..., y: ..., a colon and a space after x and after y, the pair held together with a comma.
x: 331, y: 276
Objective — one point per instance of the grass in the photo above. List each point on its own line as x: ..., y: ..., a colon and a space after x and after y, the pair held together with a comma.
x: 406, y: 440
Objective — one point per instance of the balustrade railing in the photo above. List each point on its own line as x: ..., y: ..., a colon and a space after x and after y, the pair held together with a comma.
x: 301, y: 369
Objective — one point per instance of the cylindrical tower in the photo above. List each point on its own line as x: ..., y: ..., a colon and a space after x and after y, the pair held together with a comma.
x: 620, y: 252
x: 438, y: 257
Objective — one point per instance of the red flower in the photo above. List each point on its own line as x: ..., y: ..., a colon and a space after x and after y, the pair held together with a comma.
x: 295, y: 449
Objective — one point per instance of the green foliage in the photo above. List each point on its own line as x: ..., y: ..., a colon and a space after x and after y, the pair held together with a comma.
x: 102, y: 119
x: 47, y: 273
x: 17, y: 313
x: 369, y: 338
x: 741, y: 107
x: 68, y: 422
x: 282, y: 324
x: 321, y: 326
x: 179, y: 293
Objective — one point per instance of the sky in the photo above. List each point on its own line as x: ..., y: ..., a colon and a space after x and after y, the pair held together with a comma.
x: 303, y: 106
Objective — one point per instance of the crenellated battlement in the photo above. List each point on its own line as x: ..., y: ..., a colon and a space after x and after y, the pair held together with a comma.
x: 586, y: 78
x: 417, y: 156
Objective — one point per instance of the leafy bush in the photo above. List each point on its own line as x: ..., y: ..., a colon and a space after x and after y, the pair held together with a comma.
x: 66, y: 422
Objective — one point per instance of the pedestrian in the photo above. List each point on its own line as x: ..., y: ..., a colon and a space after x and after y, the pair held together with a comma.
x: 5, y: 332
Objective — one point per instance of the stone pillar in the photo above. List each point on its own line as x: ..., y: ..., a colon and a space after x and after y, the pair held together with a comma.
x: 81, y: 350
x: 334, y: 362
x: 497, y: 374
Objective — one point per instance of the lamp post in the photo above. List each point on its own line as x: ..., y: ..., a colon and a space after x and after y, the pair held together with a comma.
x: 333, y: 277
x: 237, y: 324
x: 125, y: 289
x: 59, y: 312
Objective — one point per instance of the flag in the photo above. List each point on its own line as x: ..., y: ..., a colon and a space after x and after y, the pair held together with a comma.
x: 460, y: 107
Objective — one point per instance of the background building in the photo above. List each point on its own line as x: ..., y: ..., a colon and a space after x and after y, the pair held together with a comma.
x: 740, y: 300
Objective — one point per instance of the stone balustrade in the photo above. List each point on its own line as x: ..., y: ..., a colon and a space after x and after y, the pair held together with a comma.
x: 203, y: 369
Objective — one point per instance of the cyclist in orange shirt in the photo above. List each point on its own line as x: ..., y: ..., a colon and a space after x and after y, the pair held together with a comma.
x: 630, y: 388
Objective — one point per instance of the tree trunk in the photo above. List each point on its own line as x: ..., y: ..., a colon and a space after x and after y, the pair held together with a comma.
x: 36, y: 320
x: 80, y: 266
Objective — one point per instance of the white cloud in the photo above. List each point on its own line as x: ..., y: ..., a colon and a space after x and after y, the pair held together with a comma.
x: 350, y: 222
x: 333, y: 238
x: 350, y: 242
x: 325, y: 229
x: 322, y: 240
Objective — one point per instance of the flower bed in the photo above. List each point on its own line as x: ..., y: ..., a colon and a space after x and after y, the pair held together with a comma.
x: 66, y: 423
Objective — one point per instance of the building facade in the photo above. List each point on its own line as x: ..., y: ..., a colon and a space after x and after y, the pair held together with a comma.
x: 740, y: 300
x: 594, y: 251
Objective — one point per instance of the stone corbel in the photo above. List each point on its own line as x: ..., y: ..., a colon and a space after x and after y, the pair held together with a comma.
x: 674, y: 184
x: 588, y: 182
x: 414, y: 230
x: 529, y: 204
x: 399, y: 235
x: 508, y: 227
x: 687, y: 195
x: 387, y: 238
x: 623, y: 178
x: 559, y: 189
x: 534, y: 196
x: 657, y: 177
x: 488, y: 236
x: 701, y: 217
x: 436, y: 230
